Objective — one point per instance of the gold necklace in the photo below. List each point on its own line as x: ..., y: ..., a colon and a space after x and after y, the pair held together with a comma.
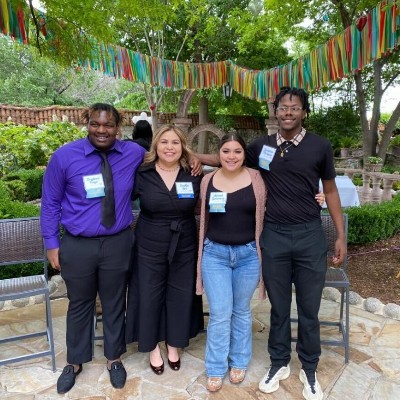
x: 285, y: 150
x: 167, y: 170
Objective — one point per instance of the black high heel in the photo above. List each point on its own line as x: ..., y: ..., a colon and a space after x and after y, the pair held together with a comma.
x: 157, y: 370
x: 174, y: 365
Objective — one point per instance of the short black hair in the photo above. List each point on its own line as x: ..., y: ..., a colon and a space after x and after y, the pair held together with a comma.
x: 108, y: 108
x: 292, y: 91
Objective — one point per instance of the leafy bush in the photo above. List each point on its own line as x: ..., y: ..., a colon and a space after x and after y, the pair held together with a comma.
x: 28, y: 147
x: 224, y: 122
x: 14, y: 209
x: 335, y: 123
x: 25, y: 185
x: 15, y: 271
x: 382, y: 220
x: 17, y: 209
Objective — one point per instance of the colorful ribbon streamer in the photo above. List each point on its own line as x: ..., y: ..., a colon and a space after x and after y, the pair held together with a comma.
x: 342, y: 55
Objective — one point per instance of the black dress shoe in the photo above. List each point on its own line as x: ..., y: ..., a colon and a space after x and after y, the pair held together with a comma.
x: 175, y: 365
x: 117, y: 375
x: 66, y: 380
x: 157, y: 370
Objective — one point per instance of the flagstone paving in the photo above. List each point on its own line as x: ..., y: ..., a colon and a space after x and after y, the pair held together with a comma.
x: 373, y: 372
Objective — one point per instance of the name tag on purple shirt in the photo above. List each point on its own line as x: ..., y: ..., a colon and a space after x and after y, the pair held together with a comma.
x: 94, y: 186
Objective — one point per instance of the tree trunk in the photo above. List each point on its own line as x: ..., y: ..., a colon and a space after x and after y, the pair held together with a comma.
x: 202, y: 145
x: 366, y: 133
x: 387, y: 133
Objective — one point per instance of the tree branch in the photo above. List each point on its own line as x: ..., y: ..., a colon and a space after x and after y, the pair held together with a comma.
x: 36, y: 23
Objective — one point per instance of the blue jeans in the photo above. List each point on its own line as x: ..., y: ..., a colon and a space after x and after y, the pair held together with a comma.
x: 230, y: 276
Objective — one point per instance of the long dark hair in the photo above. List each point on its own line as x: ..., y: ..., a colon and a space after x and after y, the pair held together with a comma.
x: 142, y: 134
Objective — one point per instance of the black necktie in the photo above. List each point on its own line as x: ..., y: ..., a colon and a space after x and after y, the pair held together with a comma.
x: 108, y: 201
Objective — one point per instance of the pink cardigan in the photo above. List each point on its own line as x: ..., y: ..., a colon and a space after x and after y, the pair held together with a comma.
x: 260, y: 195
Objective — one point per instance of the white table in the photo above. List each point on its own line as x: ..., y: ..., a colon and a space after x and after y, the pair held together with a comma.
x: 347, y: 192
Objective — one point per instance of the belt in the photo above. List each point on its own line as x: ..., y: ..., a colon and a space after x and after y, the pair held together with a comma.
x: 95, y: 237
x: 295, y: 227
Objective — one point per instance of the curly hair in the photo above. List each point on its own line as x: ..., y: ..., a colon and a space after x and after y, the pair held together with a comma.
x: 292, y: 91
x: 152, y: 156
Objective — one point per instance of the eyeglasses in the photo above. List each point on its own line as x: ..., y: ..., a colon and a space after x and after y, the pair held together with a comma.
x: 294, y: 109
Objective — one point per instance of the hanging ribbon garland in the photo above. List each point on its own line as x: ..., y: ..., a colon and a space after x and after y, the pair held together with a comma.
x: 370, y: 38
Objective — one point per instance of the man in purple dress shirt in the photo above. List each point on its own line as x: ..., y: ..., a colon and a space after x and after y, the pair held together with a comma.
x: 92, y: 257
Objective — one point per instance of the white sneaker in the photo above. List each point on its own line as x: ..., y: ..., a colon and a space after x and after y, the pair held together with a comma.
x: 312, y: 389
x: 270, y: 381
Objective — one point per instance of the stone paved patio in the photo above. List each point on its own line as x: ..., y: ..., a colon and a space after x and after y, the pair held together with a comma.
x: 373, y: 371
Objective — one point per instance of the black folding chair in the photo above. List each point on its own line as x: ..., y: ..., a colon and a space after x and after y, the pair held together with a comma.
x: 21, y: 243
x: 336, y: 277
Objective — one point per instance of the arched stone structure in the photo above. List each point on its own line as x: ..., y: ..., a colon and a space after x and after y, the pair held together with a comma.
x: 204, y: 128
x: 181, y: 120
x: 184, y: 103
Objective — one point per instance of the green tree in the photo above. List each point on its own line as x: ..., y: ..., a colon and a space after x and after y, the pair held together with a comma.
x: 28, y: 79
x: 327, y: 18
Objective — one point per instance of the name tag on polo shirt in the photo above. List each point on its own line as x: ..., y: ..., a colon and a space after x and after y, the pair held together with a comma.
x: 184, y: 190
x: 266, y: 156
x: 94, y: 186
x: 217, y: 202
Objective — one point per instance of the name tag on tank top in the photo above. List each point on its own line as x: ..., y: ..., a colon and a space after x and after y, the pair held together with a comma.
x: 217, y: 201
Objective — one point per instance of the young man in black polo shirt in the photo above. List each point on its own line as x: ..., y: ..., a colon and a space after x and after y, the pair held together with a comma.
x: 293, y: 243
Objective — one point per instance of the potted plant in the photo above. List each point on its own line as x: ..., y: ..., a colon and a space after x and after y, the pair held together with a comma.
x: 346, y: 143
x: 374, y: 164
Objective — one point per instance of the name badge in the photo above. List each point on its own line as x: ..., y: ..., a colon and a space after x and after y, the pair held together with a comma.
x: 266, y: 156
x: 184, y: 190
x: 94, y: 186
x: 217, y: 202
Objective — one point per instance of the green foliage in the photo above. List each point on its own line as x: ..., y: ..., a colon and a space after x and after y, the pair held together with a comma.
x: 15, y: 271
x: 357, y: 179
x: 395, y: 141
x: 28, y: 79
x: 382, y: 220
x: 14, y: 209
x: 225, y: 122
x: 375, y: 160
x: 32, y: 147
x: 336, y: 123
x: 25, y: 185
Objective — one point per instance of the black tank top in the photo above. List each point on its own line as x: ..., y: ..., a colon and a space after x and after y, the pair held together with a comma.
x: 236, y: 226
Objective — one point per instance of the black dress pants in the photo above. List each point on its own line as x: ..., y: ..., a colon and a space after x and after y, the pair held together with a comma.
x: 294, y: 254
x: 88, y: 266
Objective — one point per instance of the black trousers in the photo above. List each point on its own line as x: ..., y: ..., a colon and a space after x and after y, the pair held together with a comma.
x: 294, y: 254
x: 88, y: 266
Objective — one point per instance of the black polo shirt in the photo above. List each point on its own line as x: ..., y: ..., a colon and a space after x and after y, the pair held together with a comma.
x: 293, y: 180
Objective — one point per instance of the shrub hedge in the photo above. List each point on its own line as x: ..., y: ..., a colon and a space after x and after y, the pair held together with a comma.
x: 14, y: 209
x: 25, y: 184
x: 372, y: 222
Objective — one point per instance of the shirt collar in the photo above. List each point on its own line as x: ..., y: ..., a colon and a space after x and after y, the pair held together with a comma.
x: 296, y: 140
x: 89, y: 148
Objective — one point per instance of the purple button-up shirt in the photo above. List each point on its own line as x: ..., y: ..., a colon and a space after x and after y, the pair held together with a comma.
x: 64, y: 197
